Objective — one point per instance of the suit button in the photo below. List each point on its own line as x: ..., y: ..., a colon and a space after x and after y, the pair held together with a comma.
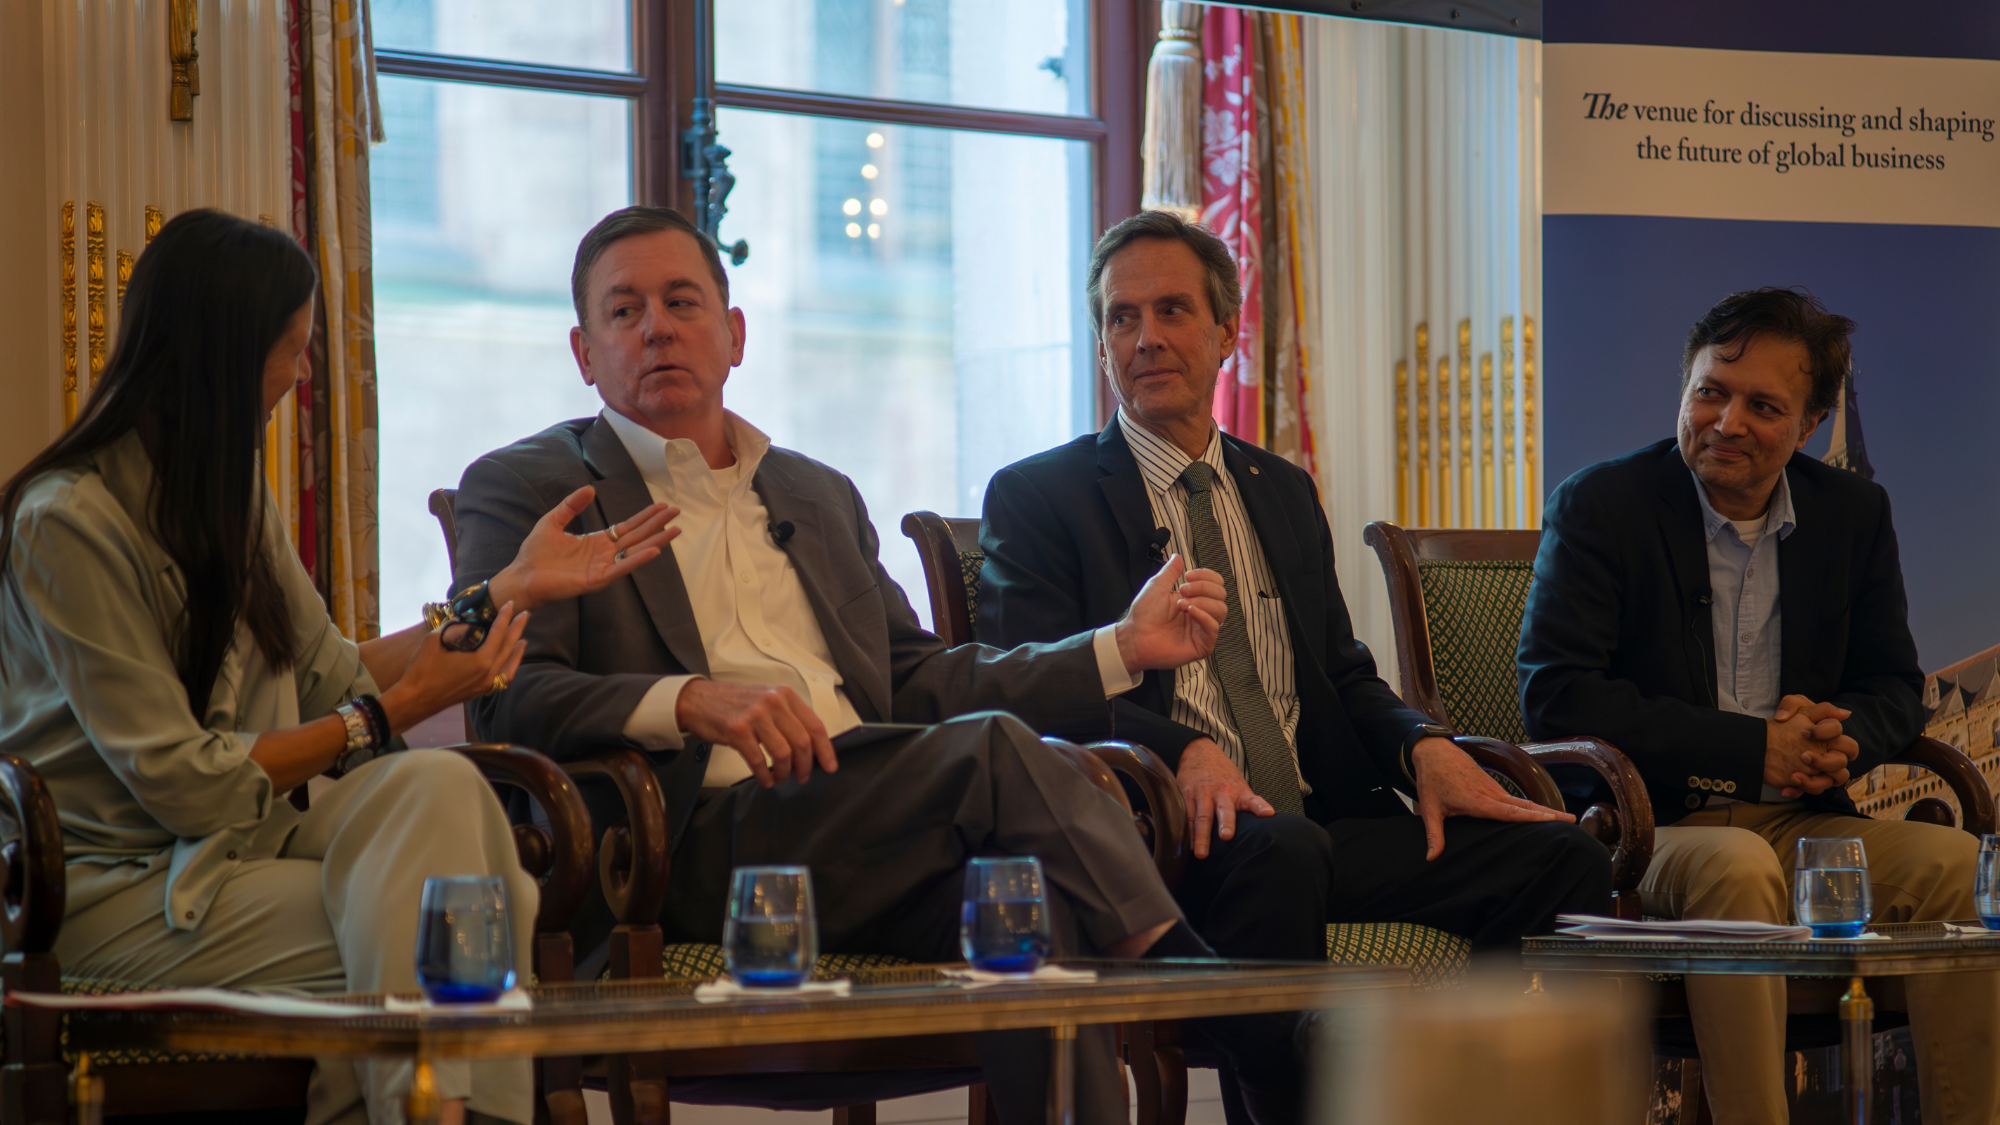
x: 1694, y: 783
x: 231, y: 855
x: 1729, y: 787
x: 1706, y: 783
x: 1694, y: 801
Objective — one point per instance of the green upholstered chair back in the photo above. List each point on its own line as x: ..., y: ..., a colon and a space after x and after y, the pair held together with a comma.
x: 1457, y: 597
x: 1474, y: 612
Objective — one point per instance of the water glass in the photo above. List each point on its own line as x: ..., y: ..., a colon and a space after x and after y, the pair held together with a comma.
x: 465, y: 939
x: 1830, y: 890
x: 771, y: 937
x: 1986, y: 889
x: 1004, y: 924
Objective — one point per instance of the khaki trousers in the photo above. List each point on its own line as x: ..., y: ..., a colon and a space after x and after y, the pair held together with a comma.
x: 1735, y: 861
x: 336, y: 911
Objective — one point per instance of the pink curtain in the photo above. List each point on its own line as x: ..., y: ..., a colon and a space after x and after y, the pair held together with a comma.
x: 1232, y: 202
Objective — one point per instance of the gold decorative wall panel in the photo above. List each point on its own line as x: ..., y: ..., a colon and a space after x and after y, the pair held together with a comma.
x: 95, y: 279
x: 1402, y: 440
x: 1423, y: 466
x: 66, y: 247
x: 154, y: 221
x: 1483, y: 474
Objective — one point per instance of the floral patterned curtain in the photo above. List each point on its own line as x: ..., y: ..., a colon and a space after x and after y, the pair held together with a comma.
x: 1256, y: 198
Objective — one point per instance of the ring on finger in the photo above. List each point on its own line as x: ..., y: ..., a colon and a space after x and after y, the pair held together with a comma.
x: 613, y: 532
x: 500, y: 684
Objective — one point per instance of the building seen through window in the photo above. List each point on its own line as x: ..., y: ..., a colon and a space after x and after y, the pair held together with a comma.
x: 913, y: 294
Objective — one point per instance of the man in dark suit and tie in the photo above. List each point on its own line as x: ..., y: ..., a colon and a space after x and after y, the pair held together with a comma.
x: 1729, y: 613
x: 1287, y: 722
x: 771, y: 627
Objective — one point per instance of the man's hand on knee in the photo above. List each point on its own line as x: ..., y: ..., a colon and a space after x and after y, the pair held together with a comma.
x: 757, y: 721
x: 1450, y: 783
x: 1215, y: 792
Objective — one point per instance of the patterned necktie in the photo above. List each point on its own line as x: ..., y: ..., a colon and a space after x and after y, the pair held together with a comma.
x: 1267, y: 760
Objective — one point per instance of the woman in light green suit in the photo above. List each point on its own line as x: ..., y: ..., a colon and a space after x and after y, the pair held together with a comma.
x: 169, y: 669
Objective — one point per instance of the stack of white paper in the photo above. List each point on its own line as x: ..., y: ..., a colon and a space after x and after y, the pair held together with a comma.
x: 1692, y: 929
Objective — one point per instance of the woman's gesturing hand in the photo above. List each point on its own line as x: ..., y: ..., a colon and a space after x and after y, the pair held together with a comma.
x: 439, y: 677
x: 552, y: 564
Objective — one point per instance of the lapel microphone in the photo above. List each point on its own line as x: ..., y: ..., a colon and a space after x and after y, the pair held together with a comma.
x: 780, y: 532
x: 1156, y: 544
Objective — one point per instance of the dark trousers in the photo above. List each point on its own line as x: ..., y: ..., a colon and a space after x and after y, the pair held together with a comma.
x: 887, y: 838
x: 1270, y: 892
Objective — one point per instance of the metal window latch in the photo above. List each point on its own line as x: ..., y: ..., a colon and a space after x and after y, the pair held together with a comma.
x: 706, y: 162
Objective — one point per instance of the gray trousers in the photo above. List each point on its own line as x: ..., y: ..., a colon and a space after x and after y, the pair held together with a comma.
x: 336, y: 911
x: 887, y: 837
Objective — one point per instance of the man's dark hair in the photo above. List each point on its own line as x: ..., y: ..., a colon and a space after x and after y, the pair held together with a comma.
x: 1788, y: 314
x: 629, y: 222
x: 1225, y: 291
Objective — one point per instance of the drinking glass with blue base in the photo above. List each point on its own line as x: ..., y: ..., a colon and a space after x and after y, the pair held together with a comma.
x: 770, y: 938
x: 1004, y: 923
x: 465, y: 940
x: 1830, y: 889
x: 1986, y: 888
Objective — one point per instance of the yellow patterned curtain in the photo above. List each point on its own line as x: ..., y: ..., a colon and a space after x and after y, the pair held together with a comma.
x: 336, y: 435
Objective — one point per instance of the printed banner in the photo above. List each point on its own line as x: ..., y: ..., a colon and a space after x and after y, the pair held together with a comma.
x: 1698, y: 149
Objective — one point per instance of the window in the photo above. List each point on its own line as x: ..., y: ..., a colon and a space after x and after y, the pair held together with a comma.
x: 918, y: 183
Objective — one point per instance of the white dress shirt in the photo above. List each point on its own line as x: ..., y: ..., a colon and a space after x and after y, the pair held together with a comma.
x: 1746, y: 610
x: 756, y: 625
x: 1198, y: 698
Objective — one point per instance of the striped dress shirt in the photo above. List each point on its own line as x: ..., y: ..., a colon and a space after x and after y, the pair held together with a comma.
x: 1198, y: 698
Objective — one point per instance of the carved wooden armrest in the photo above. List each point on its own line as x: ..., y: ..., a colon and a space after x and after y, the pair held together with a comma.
x: 632, y: 860
x: 560, y: 854
x: 1158, y: 813
x: 1625, y: 827
x: 1975, y: 798
x: 33, y: 885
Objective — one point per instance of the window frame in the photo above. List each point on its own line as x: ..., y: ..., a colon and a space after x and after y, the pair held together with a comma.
x: 669, y: 67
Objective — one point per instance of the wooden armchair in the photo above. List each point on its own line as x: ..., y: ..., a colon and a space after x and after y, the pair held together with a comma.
x: 34, y: 1082
x: 1457, y: 597
x: 952, y: 560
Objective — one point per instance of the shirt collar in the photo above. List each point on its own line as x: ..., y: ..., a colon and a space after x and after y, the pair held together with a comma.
x: 1778, y: 516
x: 1161, y: 462
x: 667, y: 462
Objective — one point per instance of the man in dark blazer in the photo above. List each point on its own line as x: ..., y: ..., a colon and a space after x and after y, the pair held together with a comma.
x: 1729, y: 613
x: 1289, y: 750
x: 771, y: 627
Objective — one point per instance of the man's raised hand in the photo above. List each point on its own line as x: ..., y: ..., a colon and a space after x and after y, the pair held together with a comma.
x: 1174, y: 620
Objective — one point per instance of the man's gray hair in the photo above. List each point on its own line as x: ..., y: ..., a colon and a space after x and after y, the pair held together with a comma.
x: 1225, y: 290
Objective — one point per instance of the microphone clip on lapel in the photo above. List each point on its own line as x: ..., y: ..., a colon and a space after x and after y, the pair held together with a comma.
x: 781, y: 532
x: 1156, y: 544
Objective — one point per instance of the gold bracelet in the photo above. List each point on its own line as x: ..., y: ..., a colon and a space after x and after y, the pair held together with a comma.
x: 437, y: 615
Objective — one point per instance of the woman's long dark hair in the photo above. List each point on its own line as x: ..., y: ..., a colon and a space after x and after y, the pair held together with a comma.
x: 208, y: 300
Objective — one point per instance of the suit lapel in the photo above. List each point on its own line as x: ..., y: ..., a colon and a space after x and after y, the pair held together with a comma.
x: 1681, y: 526
x: 622, y: 494
x: 1798, y: 583
x: 1268, y: 518
x: 1125, y: 491
x: 786, y: 500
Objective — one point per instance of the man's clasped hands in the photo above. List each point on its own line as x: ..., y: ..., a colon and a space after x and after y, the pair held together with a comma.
x: 1805, y: 750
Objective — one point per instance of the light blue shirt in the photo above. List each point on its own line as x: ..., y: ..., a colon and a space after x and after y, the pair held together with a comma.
x: 1743, y: 586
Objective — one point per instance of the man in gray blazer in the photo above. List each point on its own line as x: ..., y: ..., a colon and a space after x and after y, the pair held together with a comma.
x: 772, y: 626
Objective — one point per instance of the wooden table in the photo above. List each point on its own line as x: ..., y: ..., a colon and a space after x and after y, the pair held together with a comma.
x: 1905, y: 950
x: 630, y: 1017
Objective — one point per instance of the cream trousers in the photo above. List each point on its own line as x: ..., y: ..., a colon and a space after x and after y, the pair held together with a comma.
x: 336, y: 912
x: 1735, y: 861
